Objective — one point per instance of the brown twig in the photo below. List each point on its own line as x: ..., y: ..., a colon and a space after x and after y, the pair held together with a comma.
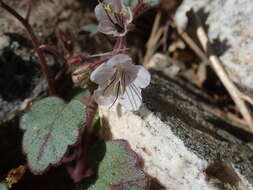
x: 247, y: 99
x: 155, y: 36
x: 165, y: 36
x: 193, y: 45
x: 222, y: 74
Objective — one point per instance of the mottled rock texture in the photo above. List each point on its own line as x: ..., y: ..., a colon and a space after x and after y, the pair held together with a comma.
x: 182, y: 142
x: 20, y: 76
x: 230, y: 28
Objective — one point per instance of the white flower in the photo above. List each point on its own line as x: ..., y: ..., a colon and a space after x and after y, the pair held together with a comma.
x: 120, y: 79
x: 113, y: 17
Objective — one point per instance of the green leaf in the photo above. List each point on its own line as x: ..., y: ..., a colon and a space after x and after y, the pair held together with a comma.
x: 117, y: 168
x: 132, y: 3
x: 3, y: 186
x: 79, y: 94
x: 90, y: 28
x: 50, y: 127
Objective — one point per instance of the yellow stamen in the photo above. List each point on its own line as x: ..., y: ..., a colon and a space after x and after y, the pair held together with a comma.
x: 123, y: 12
x: 109, y: 81
x: 102, y: 97
x: 107, y: 7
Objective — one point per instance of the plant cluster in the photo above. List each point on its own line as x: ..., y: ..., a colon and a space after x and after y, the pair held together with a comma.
x: 53, y: 126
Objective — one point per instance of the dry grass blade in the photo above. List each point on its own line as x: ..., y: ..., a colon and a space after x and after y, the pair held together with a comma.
x: 223, y: 76
x: 247, y: 99
x: 193, y: 45
x: 152, y: 44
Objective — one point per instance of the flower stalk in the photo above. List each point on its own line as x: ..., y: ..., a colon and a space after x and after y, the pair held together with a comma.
x: 81, y: 170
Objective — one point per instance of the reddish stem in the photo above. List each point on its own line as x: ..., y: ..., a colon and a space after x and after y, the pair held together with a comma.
x: 69, y: 158
x: 91, y: 115
x: 60, y: 73
x: 53, y: 51
x: 96, y: 64
x: 120, y: 44
x: 36, y: 44
x: 81, y: 169
x: 138, y: 8
x: 74, y: 60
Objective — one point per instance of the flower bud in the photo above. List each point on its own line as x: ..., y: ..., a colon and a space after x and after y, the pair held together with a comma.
x: 81, y: 75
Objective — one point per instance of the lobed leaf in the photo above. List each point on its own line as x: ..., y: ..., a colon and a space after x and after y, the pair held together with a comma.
x: 50, y: 127
x: 117, y: 168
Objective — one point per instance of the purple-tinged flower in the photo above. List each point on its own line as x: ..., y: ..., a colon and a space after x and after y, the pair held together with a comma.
x: 119, y: 79
x: 113, y: 17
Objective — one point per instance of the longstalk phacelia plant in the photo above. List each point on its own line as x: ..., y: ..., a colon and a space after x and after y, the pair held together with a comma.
x: 52, y: 125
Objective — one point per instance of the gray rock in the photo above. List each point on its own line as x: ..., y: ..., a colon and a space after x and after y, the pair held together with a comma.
x: 183, y: 144
x: 231, y: 23
x: 20, y: 75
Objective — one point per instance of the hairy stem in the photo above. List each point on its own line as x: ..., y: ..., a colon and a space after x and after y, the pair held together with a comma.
x: 81, y: 169
x: 36, y: 44
x: 87, y: 134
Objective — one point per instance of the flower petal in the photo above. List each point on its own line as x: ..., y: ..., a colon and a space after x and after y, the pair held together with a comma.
x: 102, y: 73
x: 121, y: 61
x: 101, y: 99
x: 143, y: 77
x: 100, y: 13
x: 125, y: 63
x: 117, y: 5
x: 105, y: 23
x: 132, y: 98
x: 129, y: 16
x: 106, y: 27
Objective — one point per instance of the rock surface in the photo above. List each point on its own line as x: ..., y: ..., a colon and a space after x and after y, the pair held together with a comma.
x: 230, y: 23
x: 183, y: 144
x: 20, y: 76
